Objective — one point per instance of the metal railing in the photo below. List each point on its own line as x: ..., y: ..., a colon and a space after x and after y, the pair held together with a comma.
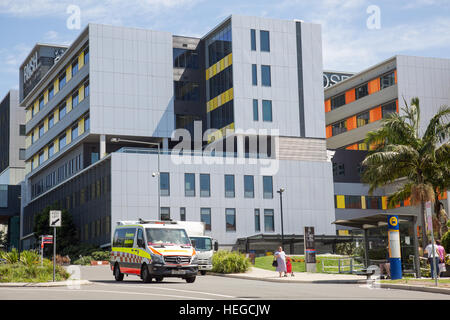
x: 343, y: 265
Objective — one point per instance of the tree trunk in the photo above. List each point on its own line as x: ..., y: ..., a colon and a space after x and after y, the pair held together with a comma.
x: 423, y: 223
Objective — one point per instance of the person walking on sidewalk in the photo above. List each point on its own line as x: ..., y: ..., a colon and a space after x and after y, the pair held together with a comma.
x: 281, y: 261
x: 429, y: 252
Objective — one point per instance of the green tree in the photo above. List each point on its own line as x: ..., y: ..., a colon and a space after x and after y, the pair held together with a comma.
x: 416, y: 163
x: 66, y: 235
x: 3, y: 239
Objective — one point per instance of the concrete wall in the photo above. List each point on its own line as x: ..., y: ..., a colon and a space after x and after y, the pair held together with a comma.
x: 307, y: 201
x: 131, y: 79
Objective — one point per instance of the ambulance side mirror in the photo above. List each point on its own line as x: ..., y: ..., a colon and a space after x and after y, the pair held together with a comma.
x: 140, y: 243
x: 216, y: 246
x: 193, y: 243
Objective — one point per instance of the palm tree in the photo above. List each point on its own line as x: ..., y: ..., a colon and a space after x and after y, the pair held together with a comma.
x: 418, y: 164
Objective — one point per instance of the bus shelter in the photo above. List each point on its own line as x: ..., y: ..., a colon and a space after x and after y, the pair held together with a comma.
x: 378, y: 220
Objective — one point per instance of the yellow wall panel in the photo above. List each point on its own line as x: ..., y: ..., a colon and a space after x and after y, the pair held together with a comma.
x: 27, y: 141
x: 81, y: 60
x: 45, y: 124
x: 363, y: 202
x: 36, y: 133
x: 36, y: 106
x: 56, y: 85
x: 56, y: 115
x: 45, y: 153
x: 68, y: 136
x: 27, y: 167
x: 56, y: 145
x: 69, y: 104
x: 384, y: 202
x: 28, y: 115
x: 81, y: 126
x: 68, y: 73
x: 340, y: 202
x: 80, y: 94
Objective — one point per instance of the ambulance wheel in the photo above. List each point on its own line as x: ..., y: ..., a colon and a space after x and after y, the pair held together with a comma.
x: 117, y: 274
x: 159, y: 279
x: 202, y: 272
x: 145, y: 275
x: 190, y: 280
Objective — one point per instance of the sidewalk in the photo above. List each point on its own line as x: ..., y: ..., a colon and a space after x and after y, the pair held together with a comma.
x: 300, y: 277
x: 70, y: 283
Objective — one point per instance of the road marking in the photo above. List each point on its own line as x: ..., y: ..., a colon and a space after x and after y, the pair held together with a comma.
x: 110, y: 291
x: 170, y: 289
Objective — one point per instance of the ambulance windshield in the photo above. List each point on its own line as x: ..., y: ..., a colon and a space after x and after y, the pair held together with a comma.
x: 160, y: 236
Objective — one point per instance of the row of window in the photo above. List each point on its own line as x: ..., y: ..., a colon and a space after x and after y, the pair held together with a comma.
x: 186, y: 90
x: 96, y: 228
x: 265, y: 75
x: 62, y: 79
x: 360, y: 202
x: 264, y: 39
x: 266, y: 110
x: 184, y: 58
x: 60, y: 112
x: 78, y: 128
x: 361, y: 91
x: 205, y: 185
x: 230, y: 218
x: 66, y: 170
x: 363, y: 118
x: 219, y: 45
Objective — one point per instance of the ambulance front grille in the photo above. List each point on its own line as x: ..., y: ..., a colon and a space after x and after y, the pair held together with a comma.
x: 177, y: 259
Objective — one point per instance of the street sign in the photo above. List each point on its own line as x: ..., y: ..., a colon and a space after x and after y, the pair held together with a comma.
x: 47, y: 239
x: 55, y: 218
x: 310, y: 249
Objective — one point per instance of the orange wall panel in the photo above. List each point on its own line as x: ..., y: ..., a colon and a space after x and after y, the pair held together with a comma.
x: 395, y: 76
x: 329, y: 131
x: 349, y: 96
x: 375, y: 114
x: 352, y: 147
x: 374, y: 85
x: 328, y: 105
x: 351, y: 123
x: 396, y: 103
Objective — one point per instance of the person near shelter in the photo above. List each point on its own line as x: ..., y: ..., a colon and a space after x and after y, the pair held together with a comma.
x: 429, y: 252
x: 442, y: 254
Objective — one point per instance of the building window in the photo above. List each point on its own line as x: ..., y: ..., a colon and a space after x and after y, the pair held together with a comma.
x: 51, y: 92
x: 75, y: 99
x: 257, y: 221
x: 265, y: 76
x: 62, y: 80
x: 165, y: 184
x: 255, y: 110
x: 230, y: 219
x: 86, y: 56
x: 51, y: 150
x: 254, y: 75
x: 184, y: 58
x: 41, y: 158
x: 41, y: 103
x: 51, y: 121
x: 388, y: 109
x: 32, y: 137
x: 75, y: 67
x: 265, y: 41
x: 22, y: 130
x: 74, y: 132
x: 269, y: 225
x: 337, y: 101
x: 21, y: 154
x: 62, y: 141
x: 229, y: 186
x: 373, y: 202
x: 362, y: 91
x: 41, y: 130
x: 267, y: 187
x: 338, y: 169
x: 267, y: 110
x: 3, y: 196
x: 362, y: 119
x: 165, y: 213
x: 186, y: 91
x: 86, y: 123
x: 86, y: 89
x: 249, y: 187
x: 62, y: 111
x: 205, y: 185
x: 353, y: 202
x: 388, y: 80
x: 205, y: 216
x: 182, y: 214
x: 189, y: 184
x: 339, y: 127
x: 253, y: 39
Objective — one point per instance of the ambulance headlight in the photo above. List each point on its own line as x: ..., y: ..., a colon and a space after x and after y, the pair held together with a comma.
x: 194, y: 259
x: 157, y: 259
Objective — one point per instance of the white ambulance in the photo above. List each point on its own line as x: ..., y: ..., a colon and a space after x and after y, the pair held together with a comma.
x: 153, y: 250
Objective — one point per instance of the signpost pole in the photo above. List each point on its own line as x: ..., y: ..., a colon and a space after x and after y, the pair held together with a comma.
x: 54, y: 251
x: 310, y: 250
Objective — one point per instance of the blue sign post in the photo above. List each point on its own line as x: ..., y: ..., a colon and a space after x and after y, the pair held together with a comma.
x: 394, y: 248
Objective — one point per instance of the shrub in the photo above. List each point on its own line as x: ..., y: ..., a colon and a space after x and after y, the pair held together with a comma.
x: 229, y: 262
x: 101, y: 255
x: 84, y: 261
x: 11, y: 257
x: 446, y: 241
x: 29, y: 258
x: 62, y: 260
x: 19, y: 272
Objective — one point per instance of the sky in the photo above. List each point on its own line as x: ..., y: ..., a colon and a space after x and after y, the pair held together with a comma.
x: 356, y: 34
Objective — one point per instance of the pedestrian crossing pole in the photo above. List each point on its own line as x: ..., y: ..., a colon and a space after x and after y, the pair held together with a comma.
x: 55, y: 221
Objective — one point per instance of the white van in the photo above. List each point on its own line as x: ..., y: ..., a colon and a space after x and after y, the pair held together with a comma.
x: 153, y: 250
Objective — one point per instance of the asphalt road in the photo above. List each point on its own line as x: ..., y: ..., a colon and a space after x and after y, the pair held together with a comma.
x: 207, y: 287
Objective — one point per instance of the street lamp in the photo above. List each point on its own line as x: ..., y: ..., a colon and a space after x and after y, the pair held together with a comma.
x: 281, y: 211
x: 154, y: 173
